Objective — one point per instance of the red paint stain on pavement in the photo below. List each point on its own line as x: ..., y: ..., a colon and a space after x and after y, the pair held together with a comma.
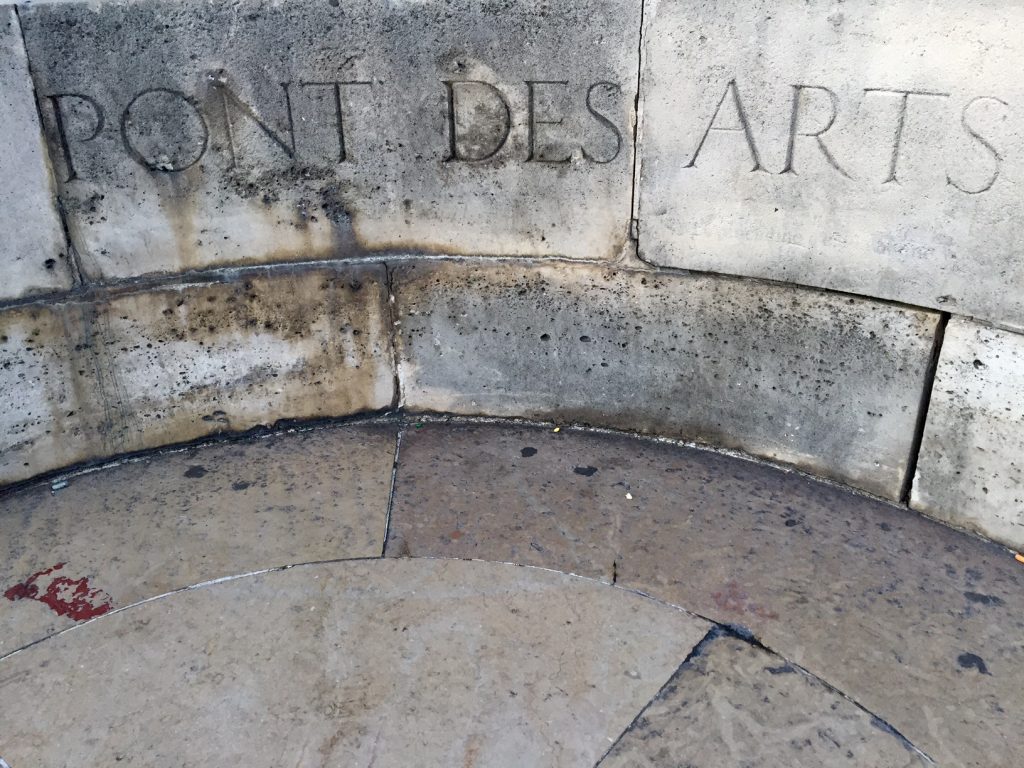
x: 734, y: 600
x: 64, y: 596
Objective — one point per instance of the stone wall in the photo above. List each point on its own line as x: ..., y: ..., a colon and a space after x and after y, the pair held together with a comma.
x: 788, y: 229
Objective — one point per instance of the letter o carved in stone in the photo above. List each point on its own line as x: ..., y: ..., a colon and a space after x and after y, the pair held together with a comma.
x: 164, y: 130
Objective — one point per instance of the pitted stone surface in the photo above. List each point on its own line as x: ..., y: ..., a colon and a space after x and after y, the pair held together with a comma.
x: 32, y: 250
x: 919, y: 623
x: 265, y: 131
x: 971, y: 468
x: 145, y: 528
x: 383, y: 663
x: 829, y: 383
x: 198, y: 359
x: 859, y: 146
x: 126, y: 371
x: 737, y: 705
x: 49, y: 413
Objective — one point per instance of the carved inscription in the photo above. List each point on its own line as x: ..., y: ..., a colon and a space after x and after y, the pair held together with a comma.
x: 731, y: 117
x: 166, y: 130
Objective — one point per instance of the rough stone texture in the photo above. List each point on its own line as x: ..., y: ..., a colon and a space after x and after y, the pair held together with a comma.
x: 32, y: 250
x: 919, y: 623
x: 385, y: 663
x: 913, y: 198
x: 89, y: 379
x: 145, y: 528
x: 224, y: 164
x: 49, y: 414
x: 273, y: 344
x: 737, y: 705
x: 528, y: 496
x: 971, y: 470
x: 828, y: 383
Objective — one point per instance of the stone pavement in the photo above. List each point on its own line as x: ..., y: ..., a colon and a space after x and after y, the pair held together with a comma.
x: 229, y: 605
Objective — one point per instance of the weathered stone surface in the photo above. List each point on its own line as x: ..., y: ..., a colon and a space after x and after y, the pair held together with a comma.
x: 829, y: 383
x: 889, y: 166
x: 50, y: 414
x: 274, y: 344
x: 32, y: 249
x: 89, y: 379
x: 737, y: 705
x: 518, y: 495
x: 148, y: 527
x: 264, y: 131
x: 383, y: 663
x: 971, y: 467
x: 919, y: 623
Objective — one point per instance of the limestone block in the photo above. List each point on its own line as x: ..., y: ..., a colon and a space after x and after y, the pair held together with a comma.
x: 263, y: 131
x: 865, y: 147
x: 32, y: 250
x: 971, y: 468
x: 51, y: 413
x: 828, y: 383
x: 385, y: 663
x: 191, y: 360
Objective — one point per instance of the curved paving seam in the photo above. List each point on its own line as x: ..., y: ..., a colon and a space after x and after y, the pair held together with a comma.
x: 718, y: 628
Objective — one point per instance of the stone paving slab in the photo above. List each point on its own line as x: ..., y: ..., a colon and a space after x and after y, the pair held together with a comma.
x: 859, y: 146
x: 33, y: 251
x: 734, y: 704
x: 829, y: 383
x: 971, y: 467
x: 262, y: 131
x: 919, y: 622
x: 120, y: 535
x: 380, y: 663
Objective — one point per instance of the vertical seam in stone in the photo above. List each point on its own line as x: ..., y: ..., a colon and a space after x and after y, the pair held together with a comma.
x: 699, y: 649
x: 922, y: 411
x: 391, y: 491
x: 634, y: 214
x: 74, y: 260
x: 397, y: 397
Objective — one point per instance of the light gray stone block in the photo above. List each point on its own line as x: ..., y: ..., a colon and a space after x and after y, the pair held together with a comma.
x: 51, y: 414
x: 828, y: 383
x: 263, y: 131
x: 188, y: 361
x: 865, y: 147
x: 87, y: 380
x: 386, y: 663
x: 971, y: 468
x: 33, y: 252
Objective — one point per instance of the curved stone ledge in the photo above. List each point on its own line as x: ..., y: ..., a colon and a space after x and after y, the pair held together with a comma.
x: 826, y: 382
x: 89, y: 379
x: 829, y: 383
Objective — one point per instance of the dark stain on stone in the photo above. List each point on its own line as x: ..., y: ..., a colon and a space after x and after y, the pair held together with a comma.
x: 785, y: 669
x: 980, y: 599
x: 972, y: 661
x: 240, y: 485
x: 195, y: 471
x: 528, y: 451
x: 585, y: 471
